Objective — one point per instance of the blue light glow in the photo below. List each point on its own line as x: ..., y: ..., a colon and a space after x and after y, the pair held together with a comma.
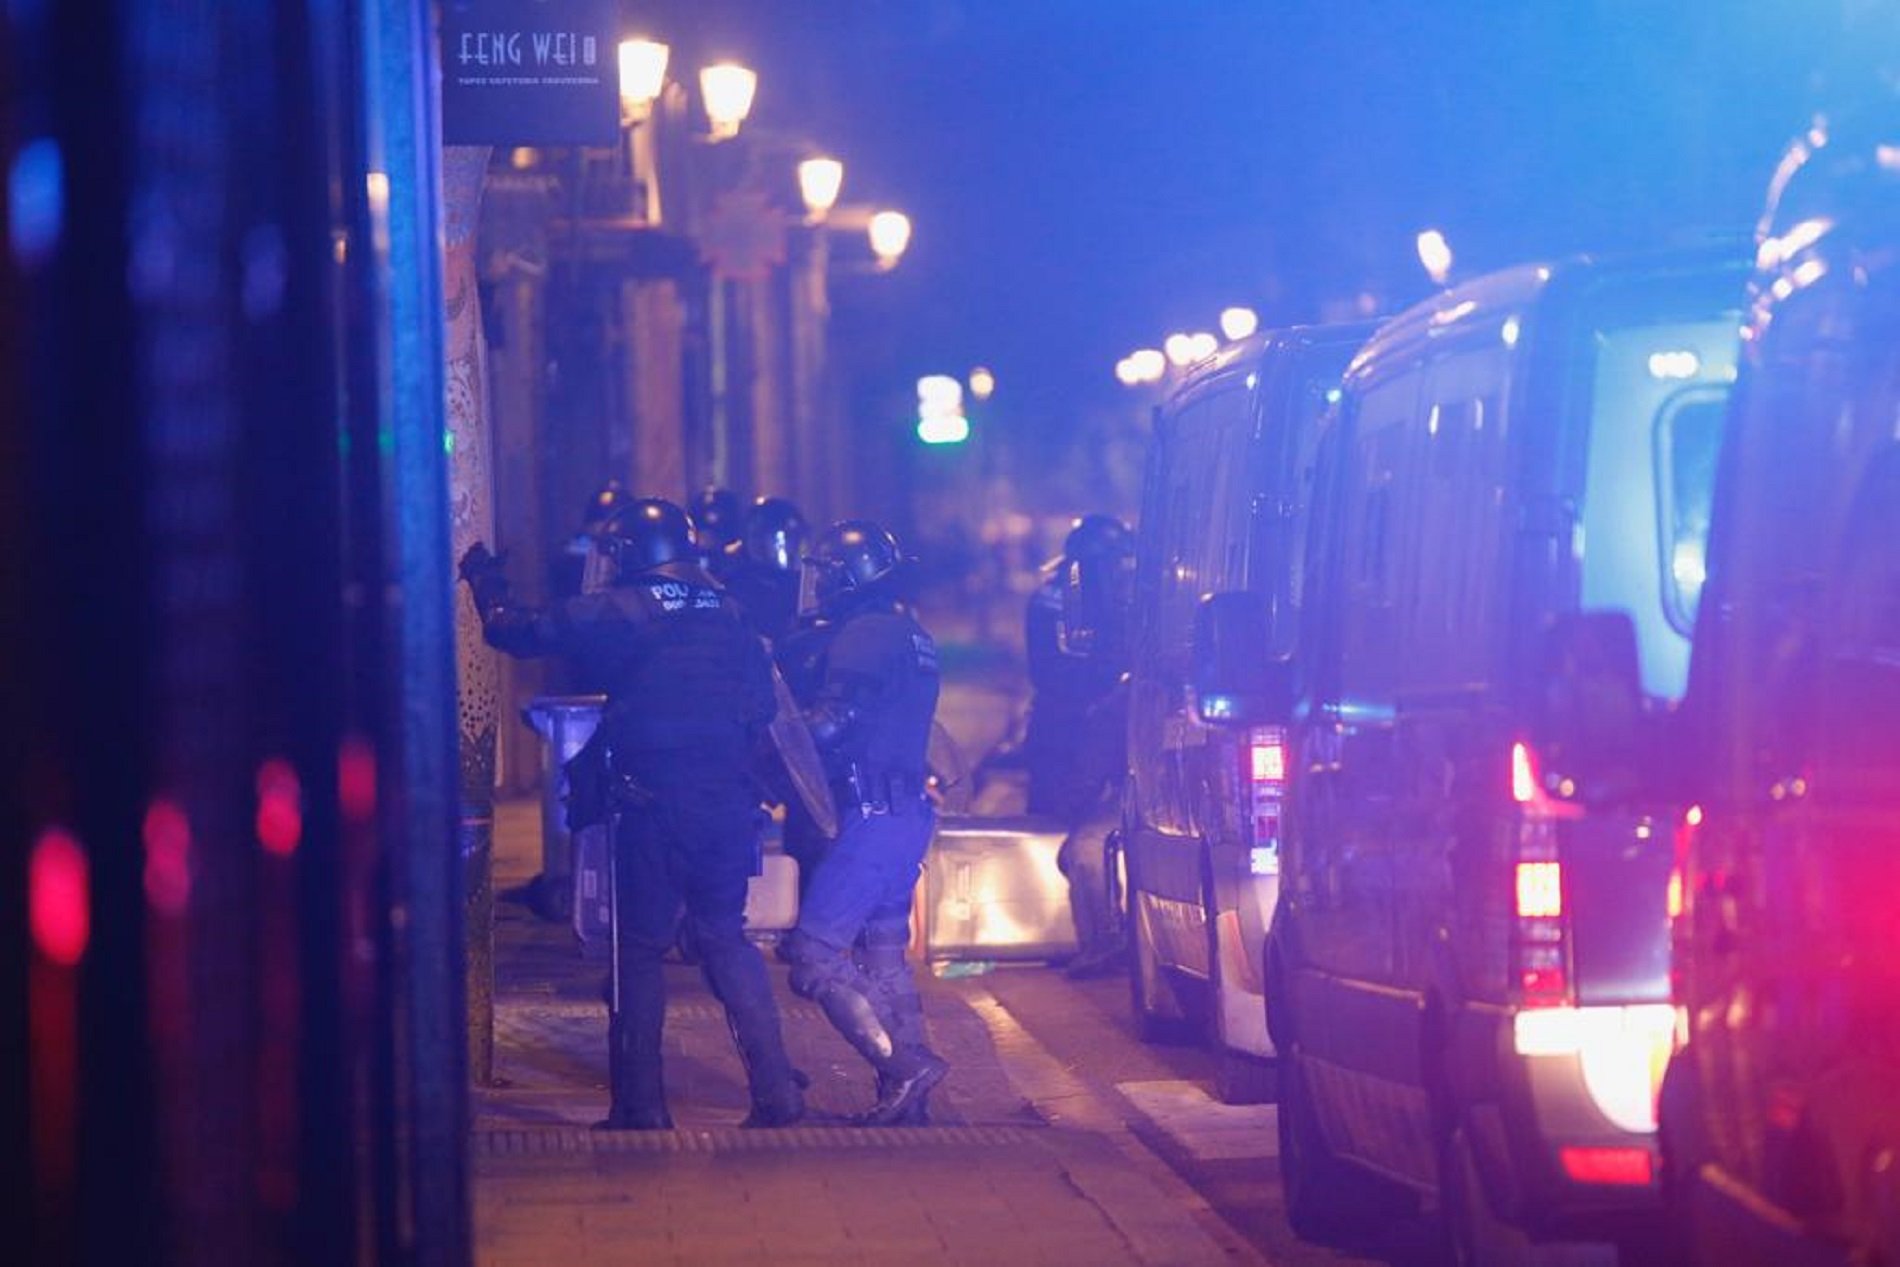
x: 36, y: 200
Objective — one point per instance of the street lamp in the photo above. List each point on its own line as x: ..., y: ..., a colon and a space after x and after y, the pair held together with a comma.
x: 1435, y: 254
x: 1148, y: 364
x: 727, y: 89
x: 890, y: 237
x: 642, y: 75
x: 819, y: 180
x: 982, y: 383
x: 1238, y: 323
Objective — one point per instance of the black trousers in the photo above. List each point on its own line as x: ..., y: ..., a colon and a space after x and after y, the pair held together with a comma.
x: 689, y: 850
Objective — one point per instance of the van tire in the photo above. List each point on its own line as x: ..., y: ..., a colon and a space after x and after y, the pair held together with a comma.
x: 1243, y: 1079
x: 1328, y: 1200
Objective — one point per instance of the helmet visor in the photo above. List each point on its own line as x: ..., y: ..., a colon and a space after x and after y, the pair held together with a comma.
x: 809, y: 571
x: 597, y: 569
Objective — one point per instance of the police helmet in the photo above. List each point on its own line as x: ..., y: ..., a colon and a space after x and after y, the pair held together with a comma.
x: 849, y: 559
x: 601, y: 506
x: 1098, y: 536
x: 775, y: 533
x: 645, y: 533
x: 716, y: 513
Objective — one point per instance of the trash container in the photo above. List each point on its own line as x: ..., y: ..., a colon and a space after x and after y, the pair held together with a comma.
x: 565, y: 724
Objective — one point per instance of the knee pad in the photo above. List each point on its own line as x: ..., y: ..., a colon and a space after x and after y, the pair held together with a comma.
x: 817, y: 967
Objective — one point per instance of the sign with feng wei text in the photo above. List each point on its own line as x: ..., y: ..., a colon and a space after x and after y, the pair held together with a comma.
x: 530, y: 72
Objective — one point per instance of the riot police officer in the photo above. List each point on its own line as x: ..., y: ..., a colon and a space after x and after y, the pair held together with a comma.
x: 716, y: 513
x: 1075, y: 748
x: 763, y: 574
x: 688, y: 687
x: 568, y: 569
x: 870, y: 711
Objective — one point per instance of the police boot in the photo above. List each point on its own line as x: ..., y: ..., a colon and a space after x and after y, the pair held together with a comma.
x: 737, y: 975
x: 904, y: 1077
x: 633, y: 1057
x: 902, y: 1012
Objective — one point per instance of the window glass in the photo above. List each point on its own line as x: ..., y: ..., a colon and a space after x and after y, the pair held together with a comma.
x: 1688, y: 436
x: 1648, y: 477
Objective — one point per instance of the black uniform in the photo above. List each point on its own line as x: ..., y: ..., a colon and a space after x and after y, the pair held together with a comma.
x: 875, y: 670
x: 767, y: 595
x: 1076, y: 745
x: 688, y: 688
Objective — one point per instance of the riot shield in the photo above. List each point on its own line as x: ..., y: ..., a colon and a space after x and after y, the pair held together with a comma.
x: 803, y: 766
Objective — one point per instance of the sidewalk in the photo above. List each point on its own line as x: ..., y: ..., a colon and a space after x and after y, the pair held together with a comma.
x: 1021, y: 1166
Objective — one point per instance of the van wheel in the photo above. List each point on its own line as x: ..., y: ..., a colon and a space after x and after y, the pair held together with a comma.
x: 1328, y: 1200
x: 1146, y: 989
x: 1476, y: 1237
x: 1243, y: 1079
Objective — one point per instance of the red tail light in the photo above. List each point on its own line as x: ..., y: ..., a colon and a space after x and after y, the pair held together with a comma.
x: 1541, y: 952
x: 1620, y: 1167
x: 1264, y: 780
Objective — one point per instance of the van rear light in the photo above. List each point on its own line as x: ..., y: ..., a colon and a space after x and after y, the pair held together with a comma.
x: 1523, y: 778
x: 1267, y: 761
x: 1262, y: 796
x: 1540, y: 945
x: 1621, y: 1054
x: 1615, y: 1167
x: 1540, y: 890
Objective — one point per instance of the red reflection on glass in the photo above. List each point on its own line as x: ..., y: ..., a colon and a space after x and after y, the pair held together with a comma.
x: 279, y: 807
x: 167, y: 857
x: 356, y: 779
x: 59, y: 903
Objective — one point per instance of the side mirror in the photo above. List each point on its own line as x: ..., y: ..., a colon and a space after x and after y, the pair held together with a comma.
x: 1235, y: 677
x: 1587, y: 714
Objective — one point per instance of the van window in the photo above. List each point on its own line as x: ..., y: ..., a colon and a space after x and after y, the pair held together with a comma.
x: 1203, y: 506
x: 1450, y: 626
x: 1688, y: 435
x: 1653, y: 421
x: 1371, y: 516
x: 1283, y: 516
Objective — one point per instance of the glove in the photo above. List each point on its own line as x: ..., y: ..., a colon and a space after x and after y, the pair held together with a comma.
x: 487, y: 583
x: 477, y: 563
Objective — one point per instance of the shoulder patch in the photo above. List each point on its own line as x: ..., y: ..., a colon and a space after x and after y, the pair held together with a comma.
x: 924, y: 650
x: 677, y: 596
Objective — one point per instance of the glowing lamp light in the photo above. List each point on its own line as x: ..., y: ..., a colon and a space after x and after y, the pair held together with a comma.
x: 1179, y: 349
x: 1203, y: 345
x: 1434, y: 252
x: 1148, y: 364
x: 940, y: 418
x: 642, y: 75
x: 819, y: 180
x: 59, y: 897
x: 954, y: 429
x: 1125, y: 372
x: 890, y: 237
x: 1238, y: 323
x: 982, y: 383
x: 167, y: 836
x: 1676, y: 363
x: 279, y: 821
x: 727, y: 89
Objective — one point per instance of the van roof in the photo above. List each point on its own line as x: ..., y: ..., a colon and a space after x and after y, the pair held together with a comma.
x: 1255, y: 349
x: 1486, y: 303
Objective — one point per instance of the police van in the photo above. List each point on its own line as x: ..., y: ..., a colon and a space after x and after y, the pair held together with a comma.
x: 1467, y: 973
x: 1224, y: 515
x: 1781, y: 1115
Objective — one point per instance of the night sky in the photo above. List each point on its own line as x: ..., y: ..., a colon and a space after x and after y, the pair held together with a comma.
x: 1085, y: 177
